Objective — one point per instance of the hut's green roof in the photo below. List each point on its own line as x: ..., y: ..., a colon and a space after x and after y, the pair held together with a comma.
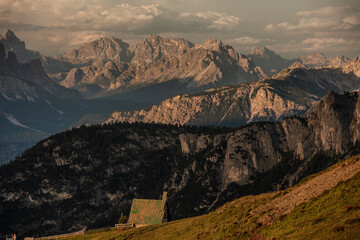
x: 147, y: 211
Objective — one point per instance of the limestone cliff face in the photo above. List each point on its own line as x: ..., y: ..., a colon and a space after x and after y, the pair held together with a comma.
x: 71, y: 179
x: 290, y: 92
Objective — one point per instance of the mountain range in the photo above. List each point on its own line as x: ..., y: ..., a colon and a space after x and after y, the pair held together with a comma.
x: 165, y: 66
x: 178, y: 81
x: 89, y: 175
x: 290, y: 92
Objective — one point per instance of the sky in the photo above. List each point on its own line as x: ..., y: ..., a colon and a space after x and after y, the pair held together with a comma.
x: 291, y: 28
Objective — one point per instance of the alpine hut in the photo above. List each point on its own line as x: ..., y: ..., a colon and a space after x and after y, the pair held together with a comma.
x: 145, y: 212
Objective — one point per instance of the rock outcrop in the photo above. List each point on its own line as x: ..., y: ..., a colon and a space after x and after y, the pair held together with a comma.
x: 78, y: 177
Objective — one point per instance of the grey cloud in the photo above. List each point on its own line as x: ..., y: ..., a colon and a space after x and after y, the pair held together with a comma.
x: 4, y: 24
x: 328, y: 18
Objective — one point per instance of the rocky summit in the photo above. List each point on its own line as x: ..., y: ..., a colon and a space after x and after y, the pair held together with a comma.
x: 89, y: 175
x: 100, y: 50
x: 11, y: 42
x: 268, y: 60
x: 290, y: 92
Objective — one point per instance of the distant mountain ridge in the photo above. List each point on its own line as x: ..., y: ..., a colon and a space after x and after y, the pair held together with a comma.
x: 110, y: 67
x: 290, y: 92
x: 319, y: 60
x: 156, y: 61
x: 268, y: 60
x: 272, y: 63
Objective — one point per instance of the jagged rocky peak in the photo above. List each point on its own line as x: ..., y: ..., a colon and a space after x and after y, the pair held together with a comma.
x: 102, y: 48
x: 262, y: 51
x: 318, y: 59
x: 10, y: 40
x: 297, y: 65
x: 10, y: 36
x: 153, y: 39
x: 154, y: 47
x: 212, y: 44
x: 268, y: 60
x: 314, y: 58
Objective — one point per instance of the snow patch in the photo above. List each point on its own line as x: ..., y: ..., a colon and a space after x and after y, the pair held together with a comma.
x: 6, y: 97
x: 17, y: 96
x: 51, y: 106
x: 11, y: 118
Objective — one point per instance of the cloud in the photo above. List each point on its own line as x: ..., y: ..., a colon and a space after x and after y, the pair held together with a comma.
x: 339, y: 45
x: 67, y: 22
x: 56, y: 26
x: 218, y: 20
x: 320, y: 44
x: 329, y: 29
x: 327, y: 18
x: 94, y: 15
x: 246, y: 40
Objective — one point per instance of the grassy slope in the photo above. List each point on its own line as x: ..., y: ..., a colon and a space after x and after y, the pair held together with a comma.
x: 324, y: 217
x: 327, y: 216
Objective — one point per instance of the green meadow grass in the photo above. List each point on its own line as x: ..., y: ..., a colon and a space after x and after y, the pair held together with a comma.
x: 333, y: 215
